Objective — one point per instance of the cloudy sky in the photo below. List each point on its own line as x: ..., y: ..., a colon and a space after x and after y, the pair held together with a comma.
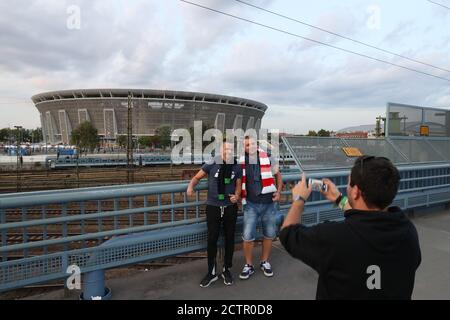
x: 169, y: 44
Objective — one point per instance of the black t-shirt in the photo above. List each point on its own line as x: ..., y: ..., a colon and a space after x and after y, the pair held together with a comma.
x: 212, y: 169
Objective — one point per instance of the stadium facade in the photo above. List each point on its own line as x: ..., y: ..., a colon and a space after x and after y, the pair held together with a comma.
x: 106, y: 109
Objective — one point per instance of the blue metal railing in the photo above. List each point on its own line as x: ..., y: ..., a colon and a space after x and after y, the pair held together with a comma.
x: 42, y: 233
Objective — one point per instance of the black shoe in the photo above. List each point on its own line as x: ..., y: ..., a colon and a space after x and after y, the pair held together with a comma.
x: 208, y: 279
x: 227, y: 277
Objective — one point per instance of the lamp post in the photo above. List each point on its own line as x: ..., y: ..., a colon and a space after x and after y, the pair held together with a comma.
x: 130, y: 161
x: 18, y: 128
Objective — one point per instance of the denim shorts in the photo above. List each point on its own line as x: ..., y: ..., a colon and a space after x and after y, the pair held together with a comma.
x: 253, y: 212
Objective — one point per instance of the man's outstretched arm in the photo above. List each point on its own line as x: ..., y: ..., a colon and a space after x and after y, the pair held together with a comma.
x: 300, y: 193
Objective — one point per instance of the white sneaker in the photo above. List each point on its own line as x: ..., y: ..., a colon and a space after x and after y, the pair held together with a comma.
x: 266, y: 268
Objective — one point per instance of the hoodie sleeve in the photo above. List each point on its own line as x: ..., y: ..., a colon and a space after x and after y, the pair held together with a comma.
x: 304, y: 244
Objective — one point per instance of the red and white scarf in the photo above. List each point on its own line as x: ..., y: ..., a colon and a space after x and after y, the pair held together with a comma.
x: 267, y: 180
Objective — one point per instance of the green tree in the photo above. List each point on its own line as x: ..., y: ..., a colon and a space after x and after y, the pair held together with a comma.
x: 145, y: 141
x: 312, y: 133
x: 164, y: 134
x: 155, y: 141
x: 37, y: 135
x: 85, y: 137
x: 323, y: 133
x: 5, y: 135
x: 121, y: 141
x: 205, y: 126
x: 25, y: 135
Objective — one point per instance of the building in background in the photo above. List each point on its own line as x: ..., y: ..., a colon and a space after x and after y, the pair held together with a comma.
x: 356, y: 134
x: 106, y: 109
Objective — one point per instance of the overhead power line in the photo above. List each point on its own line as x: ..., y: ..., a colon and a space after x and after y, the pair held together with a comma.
x: 315, y: 41
x: 439, y: 4
x: 341, y: 36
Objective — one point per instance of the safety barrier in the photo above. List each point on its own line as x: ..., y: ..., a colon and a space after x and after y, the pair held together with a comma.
x: 43, y: 233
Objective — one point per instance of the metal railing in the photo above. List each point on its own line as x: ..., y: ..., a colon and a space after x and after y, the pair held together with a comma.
x: 42, y: 233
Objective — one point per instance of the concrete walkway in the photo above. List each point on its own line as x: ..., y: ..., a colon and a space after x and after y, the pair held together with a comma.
x: 292, y: 279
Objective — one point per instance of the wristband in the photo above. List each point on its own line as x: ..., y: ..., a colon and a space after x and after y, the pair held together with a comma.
x: 343, y: 203
x: 299, y: 197
x: 338, y: 200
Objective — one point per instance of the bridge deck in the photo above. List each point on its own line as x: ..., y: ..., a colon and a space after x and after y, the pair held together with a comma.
x: 292, y: 279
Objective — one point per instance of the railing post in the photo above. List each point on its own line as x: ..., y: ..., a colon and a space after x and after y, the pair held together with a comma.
x: 94, y: 286
x: 24, y: 231
x: 4, y: 237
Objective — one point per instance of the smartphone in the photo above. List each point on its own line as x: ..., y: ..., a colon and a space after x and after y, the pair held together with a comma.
x: 318, y: 185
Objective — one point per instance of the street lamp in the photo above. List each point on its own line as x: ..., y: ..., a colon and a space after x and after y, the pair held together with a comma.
x: 18, y: 128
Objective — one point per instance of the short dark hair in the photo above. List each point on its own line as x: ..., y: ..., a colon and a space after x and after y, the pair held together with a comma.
x: 377, y: 178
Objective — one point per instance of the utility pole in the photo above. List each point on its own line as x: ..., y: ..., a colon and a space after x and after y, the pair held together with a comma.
x: 130, y: 162
x: 18, y: 157
x: 378, y: 126
x: 78, y: 169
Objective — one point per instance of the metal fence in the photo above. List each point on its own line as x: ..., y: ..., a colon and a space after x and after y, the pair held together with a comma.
x: 323, y: 153
x: 42, y: 233
x: 407, y: 120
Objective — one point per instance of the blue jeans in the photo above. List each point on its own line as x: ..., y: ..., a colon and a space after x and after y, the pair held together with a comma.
x: 255, y: 211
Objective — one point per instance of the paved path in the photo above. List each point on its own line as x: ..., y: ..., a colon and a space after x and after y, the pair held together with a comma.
x: 292, y: 279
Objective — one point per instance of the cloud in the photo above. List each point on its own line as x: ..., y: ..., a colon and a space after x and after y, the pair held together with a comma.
x: 41, y: 42
x: 301, y: 120
x: 399, y: 34
x: 173, y: 45
x: 339, y: 21
x: 275, y: 76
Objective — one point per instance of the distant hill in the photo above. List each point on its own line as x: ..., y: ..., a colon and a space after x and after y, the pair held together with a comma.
x: 364, y: 127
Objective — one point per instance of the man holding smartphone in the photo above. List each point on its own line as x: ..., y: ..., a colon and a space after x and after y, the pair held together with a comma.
x: 224, y: 189
x: 374, y: 252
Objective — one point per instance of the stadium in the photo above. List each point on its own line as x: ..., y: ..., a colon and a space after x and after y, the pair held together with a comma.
x: 62, y: 111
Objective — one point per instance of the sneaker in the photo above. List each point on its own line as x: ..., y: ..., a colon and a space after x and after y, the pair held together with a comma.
x: 227, y: 277
x: 247, y: 272
x: 266, y: 268
x: 208, y: 279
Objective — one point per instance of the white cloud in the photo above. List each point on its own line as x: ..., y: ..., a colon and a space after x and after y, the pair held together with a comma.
x: 173, y: 45
x: 304, y: 118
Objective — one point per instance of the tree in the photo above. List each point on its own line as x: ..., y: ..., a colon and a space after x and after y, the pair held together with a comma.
x: 145, y: 141
x: 5, y: 135
x: 36, y: 135
x: 312, y: 133
x: 323, y: 133
x: 121, y: 141
x: 26, y: 135
x: 156, y: 140
x: 85, y: 137
x: 164, y: 134
x: 205, y: 127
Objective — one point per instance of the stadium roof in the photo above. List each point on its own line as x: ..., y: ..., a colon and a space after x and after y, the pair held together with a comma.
x: 145, y: 94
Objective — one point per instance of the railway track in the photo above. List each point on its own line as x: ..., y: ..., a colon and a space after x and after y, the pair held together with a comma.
x: 90, y: 177
x: 32, y: 180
